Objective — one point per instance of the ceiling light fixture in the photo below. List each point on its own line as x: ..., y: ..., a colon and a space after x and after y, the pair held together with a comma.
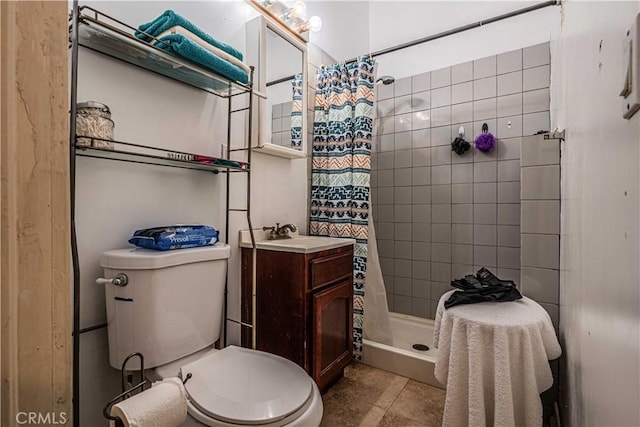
x: 299, y: 10
x: 293, y: 17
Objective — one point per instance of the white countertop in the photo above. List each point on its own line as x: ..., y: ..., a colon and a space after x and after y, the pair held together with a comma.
x: 296, y: 244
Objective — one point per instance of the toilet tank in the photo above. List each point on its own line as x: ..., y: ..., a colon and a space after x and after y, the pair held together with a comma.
x: 171, y: 306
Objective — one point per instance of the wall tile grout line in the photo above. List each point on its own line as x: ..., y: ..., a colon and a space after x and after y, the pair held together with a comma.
x: 496, y: 203
x: 460, y: 192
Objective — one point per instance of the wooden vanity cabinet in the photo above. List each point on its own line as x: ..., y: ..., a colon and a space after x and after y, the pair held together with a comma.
x: 304, y: 308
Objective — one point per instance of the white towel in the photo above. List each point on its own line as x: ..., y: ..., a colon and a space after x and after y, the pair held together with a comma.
x: 496, y: 365
x: 203, y: 44
x: 163, y: 405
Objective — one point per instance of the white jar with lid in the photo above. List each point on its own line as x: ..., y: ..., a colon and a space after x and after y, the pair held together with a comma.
x: 94, y: 127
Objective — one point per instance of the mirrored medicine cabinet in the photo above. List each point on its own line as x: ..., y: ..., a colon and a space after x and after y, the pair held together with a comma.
x: 280, y: 127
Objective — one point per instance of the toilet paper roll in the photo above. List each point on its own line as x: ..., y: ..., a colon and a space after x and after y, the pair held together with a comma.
x: 163, y: 405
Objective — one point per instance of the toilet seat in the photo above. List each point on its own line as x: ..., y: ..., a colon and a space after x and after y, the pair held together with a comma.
x: 247, y: 387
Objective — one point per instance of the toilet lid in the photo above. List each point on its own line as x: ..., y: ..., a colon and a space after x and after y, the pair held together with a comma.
x: 243, y: 386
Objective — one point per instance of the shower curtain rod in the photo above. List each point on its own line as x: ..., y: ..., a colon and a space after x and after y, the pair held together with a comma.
x: 282, y: 80
x: 447, y: 33
x: 461, y: 29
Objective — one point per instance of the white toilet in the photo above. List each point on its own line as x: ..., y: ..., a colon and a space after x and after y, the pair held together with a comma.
x: 170, y: 310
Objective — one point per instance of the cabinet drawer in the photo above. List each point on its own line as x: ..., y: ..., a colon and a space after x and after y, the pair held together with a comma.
x: 331, y: 268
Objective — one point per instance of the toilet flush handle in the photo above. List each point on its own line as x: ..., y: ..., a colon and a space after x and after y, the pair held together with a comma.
x: 120, y: 279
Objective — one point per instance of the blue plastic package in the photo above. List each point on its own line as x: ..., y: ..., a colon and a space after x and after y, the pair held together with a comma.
x: 174, y: 237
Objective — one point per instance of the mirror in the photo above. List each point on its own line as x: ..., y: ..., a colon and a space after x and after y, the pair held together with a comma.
x: 281, y: 77
x: 284, y: 80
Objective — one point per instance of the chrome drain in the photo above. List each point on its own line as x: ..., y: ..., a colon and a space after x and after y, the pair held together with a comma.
x: 421, y: 347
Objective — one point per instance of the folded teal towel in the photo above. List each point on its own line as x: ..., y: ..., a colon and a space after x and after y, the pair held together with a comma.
x: 170, y: 19
x: 181, y: 45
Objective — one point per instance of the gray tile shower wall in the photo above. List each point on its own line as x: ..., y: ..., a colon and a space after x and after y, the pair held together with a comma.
x: 281, y: 124
x: 540, y: 222
x: 439, y: 215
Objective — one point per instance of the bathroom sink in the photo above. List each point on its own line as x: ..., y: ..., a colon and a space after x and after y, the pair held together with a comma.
x: 297, y: 243
x: 307, y: 243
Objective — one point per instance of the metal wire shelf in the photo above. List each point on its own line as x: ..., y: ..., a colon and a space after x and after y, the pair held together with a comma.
x: 101, y: 33
x: 109, y: 36
x: 137, y: 153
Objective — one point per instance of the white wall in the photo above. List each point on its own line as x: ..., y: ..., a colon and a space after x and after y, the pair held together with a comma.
x: 514, y: 33
x: 352, y: 28
x: 283, y: 58
x: 282, y: 92
x: 345, y: 27
x: 600, y: 289
x: 396, y: 22
x: 114, y: 199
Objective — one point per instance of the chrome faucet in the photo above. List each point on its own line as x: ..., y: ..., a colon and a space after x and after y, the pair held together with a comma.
x: 278, y: 232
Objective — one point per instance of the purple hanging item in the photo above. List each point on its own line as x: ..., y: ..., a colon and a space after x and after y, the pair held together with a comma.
x: 485, y: 142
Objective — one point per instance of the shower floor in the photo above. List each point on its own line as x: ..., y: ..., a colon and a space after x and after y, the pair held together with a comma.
x: 402, y: 358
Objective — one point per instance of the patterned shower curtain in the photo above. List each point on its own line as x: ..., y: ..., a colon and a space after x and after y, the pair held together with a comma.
x: 296, y: 112
x: 342, y: 131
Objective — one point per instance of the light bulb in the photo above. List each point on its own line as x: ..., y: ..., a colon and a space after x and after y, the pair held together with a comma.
x: 315, y: 23
x: 299, y: 9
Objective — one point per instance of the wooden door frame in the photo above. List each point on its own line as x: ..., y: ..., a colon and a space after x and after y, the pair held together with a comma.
x: 35, y: 264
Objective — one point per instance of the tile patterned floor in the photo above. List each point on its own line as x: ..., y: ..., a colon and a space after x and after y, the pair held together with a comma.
x: 370, y: 397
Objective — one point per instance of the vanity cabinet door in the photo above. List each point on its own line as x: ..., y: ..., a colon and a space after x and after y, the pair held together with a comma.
x: 332, y: 332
